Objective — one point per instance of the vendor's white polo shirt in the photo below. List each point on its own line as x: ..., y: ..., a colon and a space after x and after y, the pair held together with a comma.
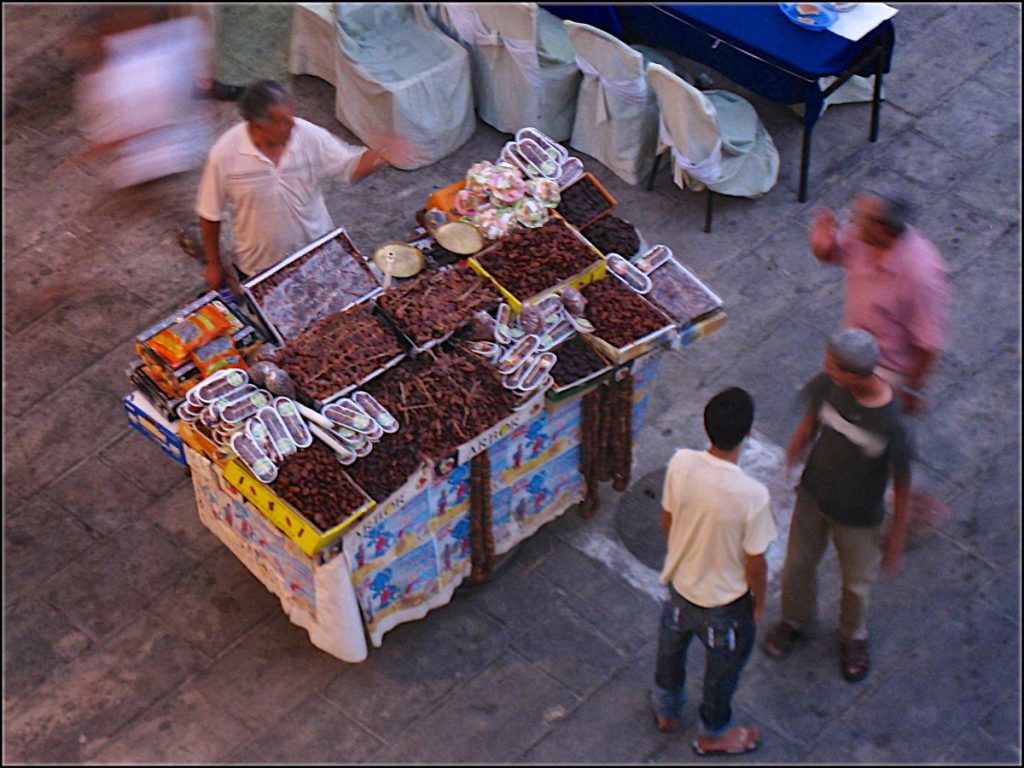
x: 276, y: 210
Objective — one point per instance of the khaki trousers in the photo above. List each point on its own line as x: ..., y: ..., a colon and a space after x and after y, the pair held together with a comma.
x: 860, y: 554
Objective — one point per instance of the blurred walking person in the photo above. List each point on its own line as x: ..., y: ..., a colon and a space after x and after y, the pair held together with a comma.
x: 897, y: 288
x: 718, y: 524
x: 854, y: 428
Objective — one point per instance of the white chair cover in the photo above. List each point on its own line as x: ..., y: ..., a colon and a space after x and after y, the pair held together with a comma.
x: 717, y: 139
x: 524, y: 67
x: 313, y: 47
x: 394, y: 71
x: 616, y: 111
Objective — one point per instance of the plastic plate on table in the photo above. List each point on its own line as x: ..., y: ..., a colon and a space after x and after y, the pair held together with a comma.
x: 813, y: 16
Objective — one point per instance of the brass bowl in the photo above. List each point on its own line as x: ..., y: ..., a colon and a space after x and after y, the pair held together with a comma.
x: 406, y: 260
x: 459, y: 237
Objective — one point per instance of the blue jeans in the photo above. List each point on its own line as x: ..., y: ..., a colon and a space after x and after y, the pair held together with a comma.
x: 727, y: 633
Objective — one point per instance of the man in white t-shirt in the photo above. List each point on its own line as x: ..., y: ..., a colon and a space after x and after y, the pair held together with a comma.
x: 271, y: 171
x: 718, y: 522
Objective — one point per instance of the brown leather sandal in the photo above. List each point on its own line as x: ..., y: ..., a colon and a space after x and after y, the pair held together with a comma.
x: 856, y: 661
x: 779, y: 640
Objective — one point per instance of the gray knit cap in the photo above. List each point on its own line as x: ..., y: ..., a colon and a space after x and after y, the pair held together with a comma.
x: 855, y: 350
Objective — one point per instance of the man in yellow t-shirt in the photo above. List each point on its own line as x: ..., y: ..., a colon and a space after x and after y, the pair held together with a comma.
x: 718, y: 523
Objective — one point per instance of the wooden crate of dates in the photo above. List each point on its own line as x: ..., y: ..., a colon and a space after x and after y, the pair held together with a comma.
x: 339, y: 353
x: 430, y: 308
x: 312, y: 500
x: 529, y: 264
x: 327, y: 276
x: 585, y: 201
x: 625, y: 324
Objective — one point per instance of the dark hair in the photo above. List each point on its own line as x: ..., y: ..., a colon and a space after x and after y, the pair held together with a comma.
x: 895, y: 212
x: 259, y: 96
x: 728, y: 417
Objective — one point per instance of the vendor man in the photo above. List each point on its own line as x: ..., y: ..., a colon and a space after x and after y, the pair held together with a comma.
x: 271, y: 170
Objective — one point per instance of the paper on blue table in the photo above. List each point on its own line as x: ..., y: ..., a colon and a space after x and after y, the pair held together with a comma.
x: 816, y: 17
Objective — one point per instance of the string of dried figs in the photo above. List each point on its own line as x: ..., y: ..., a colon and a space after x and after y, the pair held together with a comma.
x: 443, y: 399
x: 619, y: 315
x: 589, y: 424
x: 315, y: 484
x: 338, y: 351
x: 613, y: 235
x: 582, y: 202
x: 386, y: 468
x: 438, y: 303
x: 622, y: 433
x: 480, y: 520
x: 529, y: 261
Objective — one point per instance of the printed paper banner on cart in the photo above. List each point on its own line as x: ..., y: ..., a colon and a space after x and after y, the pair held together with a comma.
x: 532, y: 500
x: 283, y: 568
x: 533, y: 444
x: 644, y: 370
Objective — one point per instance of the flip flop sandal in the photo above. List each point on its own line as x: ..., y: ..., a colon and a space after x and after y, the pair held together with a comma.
x: 779, y: 641
x: 856, y: 661
x: 751, y: 741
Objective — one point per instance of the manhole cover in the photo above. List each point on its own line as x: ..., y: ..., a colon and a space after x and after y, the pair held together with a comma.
x: 638, y: 520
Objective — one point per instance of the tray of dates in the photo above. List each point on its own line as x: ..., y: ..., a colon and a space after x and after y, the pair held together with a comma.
x: 579, y: 368
x: 339, y: 353
x: 585, y: 201
x: 529, y: 264
x: 313, y: 500
x: 430, y: 308
x: 326, y: 276
x: 680, y: 294
x: 444, y: 400
x: 626, y: 325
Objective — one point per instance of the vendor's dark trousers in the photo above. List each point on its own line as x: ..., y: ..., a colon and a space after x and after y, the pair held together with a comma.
x: 727, y: 633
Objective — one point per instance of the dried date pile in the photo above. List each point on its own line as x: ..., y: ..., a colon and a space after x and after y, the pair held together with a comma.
x: 445, y: 401
x: 613, y: 235
x: 619, y: 315
x: 338, y: 351
x: 576, y: 361
x: 437, y: 303
x: 582, y: 202
x: 679, y: 295
x: 529, y: 261
x: 315, y: 484
x: 391, y: 462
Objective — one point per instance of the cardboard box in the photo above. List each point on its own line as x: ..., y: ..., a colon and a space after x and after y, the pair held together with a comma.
x: 309, y: 538
x: 144, y: 417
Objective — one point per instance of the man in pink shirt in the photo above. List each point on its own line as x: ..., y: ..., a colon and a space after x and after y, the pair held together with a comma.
x: 897, y: 289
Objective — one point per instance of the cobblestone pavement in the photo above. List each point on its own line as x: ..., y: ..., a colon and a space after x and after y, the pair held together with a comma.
x: 132, y: 635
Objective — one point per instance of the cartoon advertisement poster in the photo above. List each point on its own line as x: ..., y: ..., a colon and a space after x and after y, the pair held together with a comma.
x: 645, y: 369
x: 449, y: 496
x: 407, y: 582
x: 453, y: 550
x: 282, y: 567
x: 533, y: 444
x: 537, y: 498
x: 384, y: 537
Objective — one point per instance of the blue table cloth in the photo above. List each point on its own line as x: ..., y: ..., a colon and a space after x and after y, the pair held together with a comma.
x: 757, y: 47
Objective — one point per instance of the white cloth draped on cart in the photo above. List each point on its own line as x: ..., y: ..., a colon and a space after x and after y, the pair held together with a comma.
x: 616, y: 111
x: 716, y: 137
x: 524, y: 66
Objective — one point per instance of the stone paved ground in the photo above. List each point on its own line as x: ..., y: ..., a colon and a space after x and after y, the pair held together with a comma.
x: 132, y: 635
